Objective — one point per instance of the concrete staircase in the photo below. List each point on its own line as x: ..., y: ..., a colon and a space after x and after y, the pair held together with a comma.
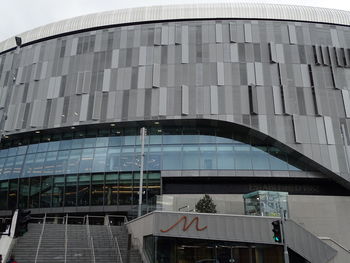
x: 79, y: 247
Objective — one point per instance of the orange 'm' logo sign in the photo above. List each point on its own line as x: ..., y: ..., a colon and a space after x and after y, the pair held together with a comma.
x: 185, y: 226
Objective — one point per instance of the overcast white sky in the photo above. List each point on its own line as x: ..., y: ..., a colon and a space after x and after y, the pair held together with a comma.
x: 18, y: 16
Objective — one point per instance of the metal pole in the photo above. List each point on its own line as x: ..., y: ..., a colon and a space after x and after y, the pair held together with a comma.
x: 143, y: 134
x: 285, y: 248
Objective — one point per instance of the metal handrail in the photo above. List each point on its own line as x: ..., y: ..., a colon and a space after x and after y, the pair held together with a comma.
x: 93, y: 249
x: 40, y: 238
x: 66, y: 239
x: 115, y: 241
x: 118, y: 249
x: 335, y: 242
x: 90, y: 239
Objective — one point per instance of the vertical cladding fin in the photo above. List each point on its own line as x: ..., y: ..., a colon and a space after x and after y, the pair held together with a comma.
x: 218, y: 32
x: 272, y: 52
x: 220, y: 73
x: 96, y: 111
x: 248, y: 38
x: 156, y: 76
x: 259, y: 75
x: 142, y: 56
x: 111, y: 105
x: 162, y: 101
x: 253, y: 99
x: 184, y: 100
x: 277, y: 100
x: 11, y: 113
x: 106, y: 80
x: 321, y: 130
x: 251, y: 74
x: 214, y: 106
x: 234, y: 52
x: 73, y: 51
x: 165, y: 35
x: 84, y: 107
x: 329, y: 130
x: 296, y: 128
x: 346, y: 102
x: 292, y: 34
x: 280, y: 53
x: 115, y: 58
x: 334, y: 37
x: 184, y: 53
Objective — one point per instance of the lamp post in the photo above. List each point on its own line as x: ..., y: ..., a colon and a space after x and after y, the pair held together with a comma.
x: 143, y: 133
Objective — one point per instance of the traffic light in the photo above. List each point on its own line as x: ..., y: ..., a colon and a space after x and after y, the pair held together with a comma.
x: 22, y: 222
x: 276, y: 229
x: 3, y: 226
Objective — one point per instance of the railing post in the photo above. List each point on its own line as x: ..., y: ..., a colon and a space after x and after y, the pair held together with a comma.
x: 66, y: 240
x: 40, y: 238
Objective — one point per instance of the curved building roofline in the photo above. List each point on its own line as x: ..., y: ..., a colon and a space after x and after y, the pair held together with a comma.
x: 183, y: 12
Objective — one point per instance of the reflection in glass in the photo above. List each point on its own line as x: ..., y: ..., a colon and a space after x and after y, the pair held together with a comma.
x: 46, y: 191
x: 86, y: 161
x: 97, y: 189
x: 84, y: 190
x: 172, y: 158
x: 70, y: 197
x: 190, y: 158
x: 34, y: 195
x: 243, y: 157
x: 58, y: 191
x: 99, y: 162
x: 12, y: 195
x: 111, y: 189
x: 166, y: 148
x: 24, y: 193
x: 125, y: 189
x: 3, y: 194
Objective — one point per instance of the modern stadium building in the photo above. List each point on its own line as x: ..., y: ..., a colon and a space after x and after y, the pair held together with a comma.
x: 235, y: 98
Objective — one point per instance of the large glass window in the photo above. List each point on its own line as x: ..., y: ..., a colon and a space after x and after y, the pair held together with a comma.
x: 87, y: 158
x: 243, y: 157
x: 24, y: 193
x: 99, y: 162
x: 46, y: 191
x: 84, y: 190
x: 70, y: 197
x: 34, y: 194
x: 58, y: 191
x: 172, y: 157
x: 13, y: 193
x: 73, y: 161
x: 125, y: 189
x: 3, y: 194
x: 111, y: 189
x: 190, y: 157
x: 165, y: 149
x: 97, y: 181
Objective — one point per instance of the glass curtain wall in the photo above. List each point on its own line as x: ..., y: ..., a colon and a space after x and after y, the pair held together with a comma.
x: 79, y: 190
x: 168, y: 149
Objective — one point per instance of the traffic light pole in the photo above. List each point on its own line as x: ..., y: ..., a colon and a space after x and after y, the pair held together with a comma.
x: 285, y: 248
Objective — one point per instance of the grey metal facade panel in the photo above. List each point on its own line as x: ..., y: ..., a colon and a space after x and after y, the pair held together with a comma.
x: 232, y: 10
x: 143, y: 76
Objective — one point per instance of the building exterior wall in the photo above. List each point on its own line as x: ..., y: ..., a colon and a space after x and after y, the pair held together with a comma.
x: 286, y: 80
x: 217, y: 92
